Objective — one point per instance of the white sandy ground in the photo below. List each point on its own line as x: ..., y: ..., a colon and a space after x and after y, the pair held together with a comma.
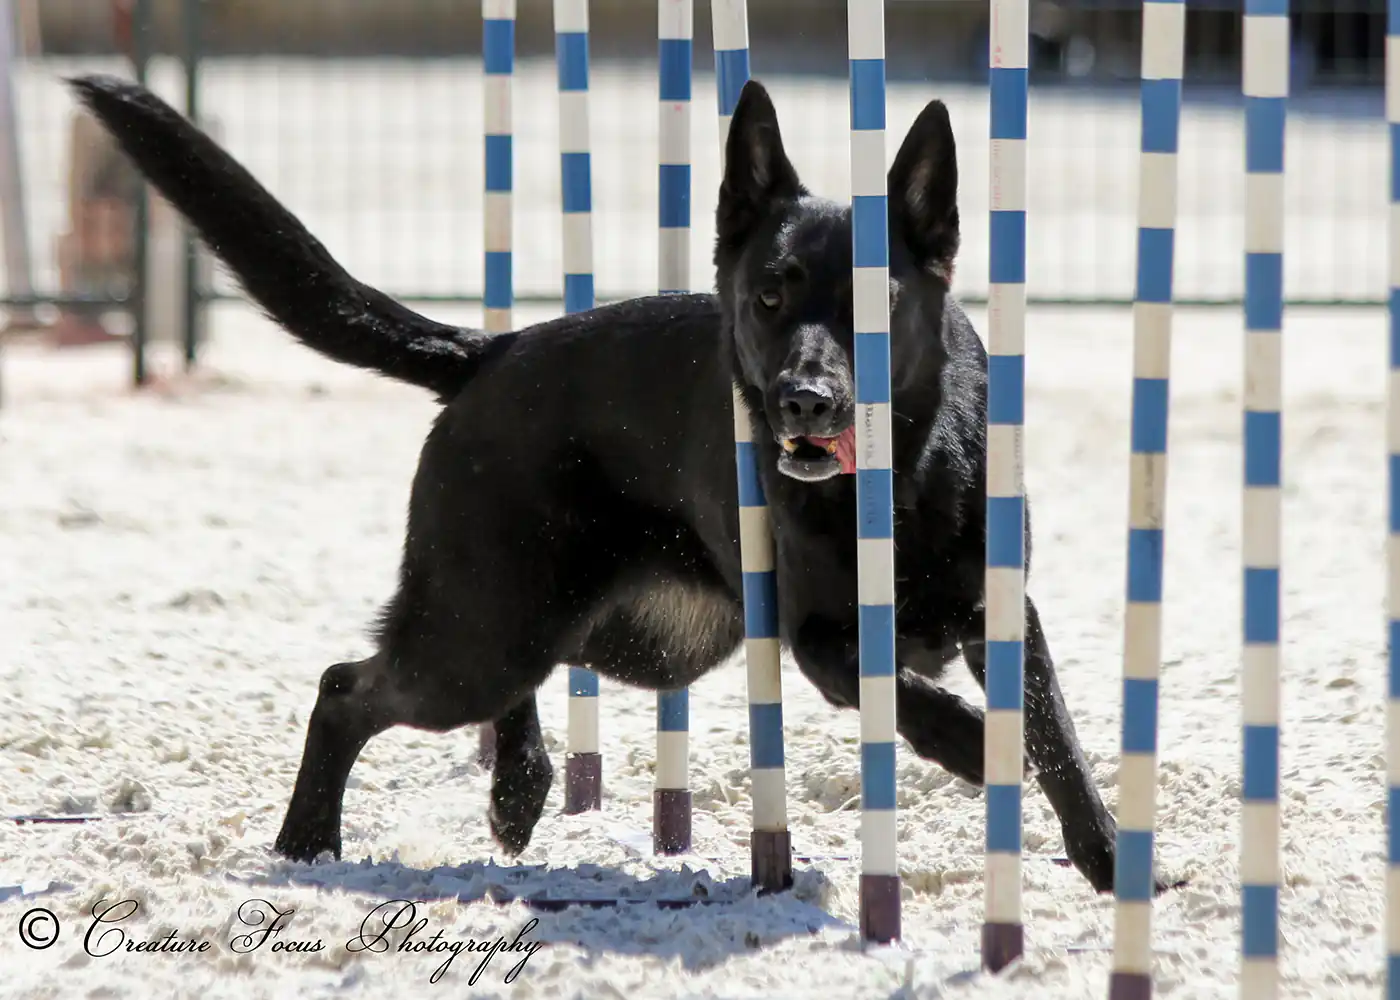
x: 179, y: 569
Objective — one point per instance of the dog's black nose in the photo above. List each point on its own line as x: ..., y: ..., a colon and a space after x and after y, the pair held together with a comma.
x: 805, y: 404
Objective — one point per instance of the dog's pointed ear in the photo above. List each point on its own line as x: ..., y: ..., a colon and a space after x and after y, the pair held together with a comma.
x: 757, y: 172
x: 923, y: 192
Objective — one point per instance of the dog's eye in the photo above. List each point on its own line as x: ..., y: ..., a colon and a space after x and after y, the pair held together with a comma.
x: 770, y: 299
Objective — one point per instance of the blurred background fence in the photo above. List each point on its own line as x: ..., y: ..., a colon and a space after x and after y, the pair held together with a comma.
x: 365, y: 116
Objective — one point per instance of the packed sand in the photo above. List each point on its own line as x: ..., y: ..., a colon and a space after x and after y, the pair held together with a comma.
x: 181, y: 567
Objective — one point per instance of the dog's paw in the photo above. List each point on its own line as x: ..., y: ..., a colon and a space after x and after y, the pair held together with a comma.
x: 1098, y: 868
x: 513, y: 836
x: 296, y: 845
x: 1159, y: 886
x: 1095, y: 863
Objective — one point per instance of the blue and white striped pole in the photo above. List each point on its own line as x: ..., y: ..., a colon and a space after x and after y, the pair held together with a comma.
x: 671, y: 807
x: 1002, y: 935
x: 870, y: 285
x: 730, y: 26
x: 498, y: 56
x: 1265, y: 100
x: 583, y: 767
x: 771, y: 846
x: 1163, y: 52
x: 1392, y: 728
x: 675, y: 29
x: 498, y: 43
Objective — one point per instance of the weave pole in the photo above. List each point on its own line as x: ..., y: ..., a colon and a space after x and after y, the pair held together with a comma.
x: 1266, y: 54
x: 498, y: 57
x: 1163, y: 55
x: 583, y: 764
x: 870, y: 287
x: 498, y: 50
x: 771, y: 844
x: 1392, y: 580
x: 1002, y: 933
x: 671, y: 815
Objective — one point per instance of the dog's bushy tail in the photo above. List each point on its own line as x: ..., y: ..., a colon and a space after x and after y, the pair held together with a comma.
x: 278, y: 262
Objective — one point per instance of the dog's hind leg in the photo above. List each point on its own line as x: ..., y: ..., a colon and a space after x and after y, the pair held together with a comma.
x: 348, y: 712
x: 486, y: 745
x: 668, y: 638
x: 521, y: 776
x: 414, y: 680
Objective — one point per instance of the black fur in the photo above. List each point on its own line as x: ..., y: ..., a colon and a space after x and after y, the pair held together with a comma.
x: 575, y: 500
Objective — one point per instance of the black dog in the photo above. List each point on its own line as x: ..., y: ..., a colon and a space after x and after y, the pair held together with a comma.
x: 575, y: 501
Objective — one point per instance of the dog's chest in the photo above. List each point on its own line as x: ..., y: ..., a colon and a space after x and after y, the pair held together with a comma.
x: 815, y: 534
x: 815, y: 542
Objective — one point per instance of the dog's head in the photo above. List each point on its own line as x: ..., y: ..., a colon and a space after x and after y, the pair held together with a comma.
x: 783, y: 260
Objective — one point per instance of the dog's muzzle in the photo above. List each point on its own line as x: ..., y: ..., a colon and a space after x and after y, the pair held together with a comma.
x: 806, y: 423
x: 814, y: 459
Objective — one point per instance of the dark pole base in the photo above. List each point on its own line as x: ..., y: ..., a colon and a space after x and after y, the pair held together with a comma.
x: 879, y: 908
x: 486, y: 745
x: 583, y: 782
x: 670, y: 821
x: 1002, y: 944
x: 1129, y: 986
x: 772, y: 860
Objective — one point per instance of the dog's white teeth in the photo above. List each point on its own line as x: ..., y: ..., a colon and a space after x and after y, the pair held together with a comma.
x: 789, y: 445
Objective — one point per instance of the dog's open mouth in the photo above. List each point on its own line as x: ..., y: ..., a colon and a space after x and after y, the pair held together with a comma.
x: 812, y: 459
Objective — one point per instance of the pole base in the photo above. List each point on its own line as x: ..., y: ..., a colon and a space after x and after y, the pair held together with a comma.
x: 879, y: 908
x: 1002, y: 944
x: 1129, y: 986
x: 670, y: 821
x: 772, y: 860
x: 583, y: 782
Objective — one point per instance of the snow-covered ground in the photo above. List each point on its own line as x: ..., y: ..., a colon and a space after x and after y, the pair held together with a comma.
x: 178, y: 568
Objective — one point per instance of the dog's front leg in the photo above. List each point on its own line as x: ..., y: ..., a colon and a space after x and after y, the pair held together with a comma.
x: 520, y: 777
x: 939, y: 725
x: 1061, y: 769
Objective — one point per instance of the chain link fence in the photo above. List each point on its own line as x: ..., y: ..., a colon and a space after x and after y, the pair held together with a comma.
x: 365, y: 116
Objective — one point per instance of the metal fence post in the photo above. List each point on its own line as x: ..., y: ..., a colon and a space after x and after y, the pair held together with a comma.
x: 192, y: 49
x: 12, y: 205
x: 141, y: 28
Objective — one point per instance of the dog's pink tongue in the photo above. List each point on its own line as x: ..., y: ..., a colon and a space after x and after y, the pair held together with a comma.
x: 845, y: 449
